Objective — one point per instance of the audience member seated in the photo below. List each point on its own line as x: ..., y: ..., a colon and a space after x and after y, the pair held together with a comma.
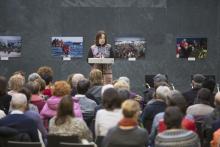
x: 100, y: 106
x: 96, y: 80
x: 175, y: 136
x: 46, y: 74
x: 87, y: 105
x: 210, y: 84
x: 127, y: 132
x: 17, y: 120
x: 111, y: 114
x: 27, y: 92
x: 60, y: 89
x: 33, y: 76
x: 15, y: 83
x: 36, y: 99
x: 191, y: 94
x: 33, y: 114
x: 74, y: 81
x: 124, y: 83
x: 188, y: 122
x: 65, y: 123
x: 207, y: 127
x: 149, y: 94
x: 42, y: 84
x: 159, y: 105
x: 203, y: 108
x: 4, y: 97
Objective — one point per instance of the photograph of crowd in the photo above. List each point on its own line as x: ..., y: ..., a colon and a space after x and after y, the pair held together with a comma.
x: 130, y: 47
x: 67, y: 46
x: 10, y: 46
x: 191, y: 48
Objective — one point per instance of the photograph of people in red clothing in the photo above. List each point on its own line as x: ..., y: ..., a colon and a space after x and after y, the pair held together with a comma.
x: 191, y: 48
x: 67, y: 46
x: 10, y: 46
x: 130, y: 47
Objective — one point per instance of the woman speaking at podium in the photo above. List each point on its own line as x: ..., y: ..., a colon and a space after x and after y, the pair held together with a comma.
x: 101, y: 49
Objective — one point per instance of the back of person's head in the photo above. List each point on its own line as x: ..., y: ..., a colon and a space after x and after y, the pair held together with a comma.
x: 105, y: 87
x: 3, y: 85
x: 130, y: 108
x: 162, y: 92
x: 42, y: 83
x: 16, y: 82
x: 19, y: 72
x: 125, y: 79
x: 123, y: 94
x: 65, y: 109
x: 204, y: 96
x: 96, y: 77
x: 120, y: 84
x: 61, y: 88
x: 177, y: 99
x: 33, y: 76
x: 197, y: 80
x: 18, y: 102
x: 110, y: 99
x: 33, y: 86
x: 160, y: 78
x: 76, y: 78
x: 46, y: 73
x: 209, y: 84
x: 163, y: 83
x: 27, y: 92
x: 173, y: 117
x: 217, y: 99
x: 83, y: 86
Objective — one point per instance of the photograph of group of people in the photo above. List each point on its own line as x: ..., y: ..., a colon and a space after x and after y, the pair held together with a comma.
x: 130, y: 47
x: 191, y: 47
x: 67, y: 46
x: 10, y: 46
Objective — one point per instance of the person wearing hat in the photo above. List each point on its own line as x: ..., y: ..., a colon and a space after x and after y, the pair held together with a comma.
x: 191, y: 94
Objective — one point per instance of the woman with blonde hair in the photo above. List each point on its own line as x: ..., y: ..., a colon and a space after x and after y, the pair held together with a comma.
x: 96, y: 81
x: 127, y: 132
x: 15, y: 83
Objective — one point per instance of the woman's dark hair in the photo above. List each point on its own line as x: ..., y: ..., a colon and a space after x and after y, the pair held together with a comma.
x: 64, y: 110
x: 3, y: 85
x: 177, y: 99
x: 173, y: 117
x: 204, y: 96
x: 210, y: 84
x: 123, y: 94
x: 83, y: 86
x: 98, y: 36
x: 27, y: 92
x: 110, y: 99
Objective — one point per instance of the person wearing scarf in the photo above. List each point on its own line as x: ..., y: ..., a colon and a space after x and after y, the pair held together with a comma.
x: 127, y: 132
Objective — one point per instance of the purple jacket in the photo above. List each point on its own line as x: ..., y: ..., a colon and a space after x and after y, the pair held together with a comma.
x: 50, y: 108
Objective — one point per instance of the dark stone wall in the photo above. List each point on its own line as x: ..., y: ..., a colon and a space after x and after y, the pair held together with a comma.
x: 159, y: 21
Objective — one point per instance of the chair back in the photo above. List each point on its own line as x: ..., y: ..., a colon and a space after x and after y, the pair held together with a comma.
x: 99, y: 140
x: 64, y: 144
x: 23, y: 144
x: 54, y: 140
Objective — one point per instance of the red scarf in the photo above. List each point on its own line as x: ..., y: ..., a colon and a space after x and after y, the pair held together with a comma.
x: 126, y: 122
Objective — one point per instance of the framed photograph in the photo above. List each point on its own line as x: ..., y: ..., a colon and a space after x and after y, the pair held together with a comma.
x: 130, y: 47
x: 10, y: 46
x: 67, y: 47
x: 191, y: 48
